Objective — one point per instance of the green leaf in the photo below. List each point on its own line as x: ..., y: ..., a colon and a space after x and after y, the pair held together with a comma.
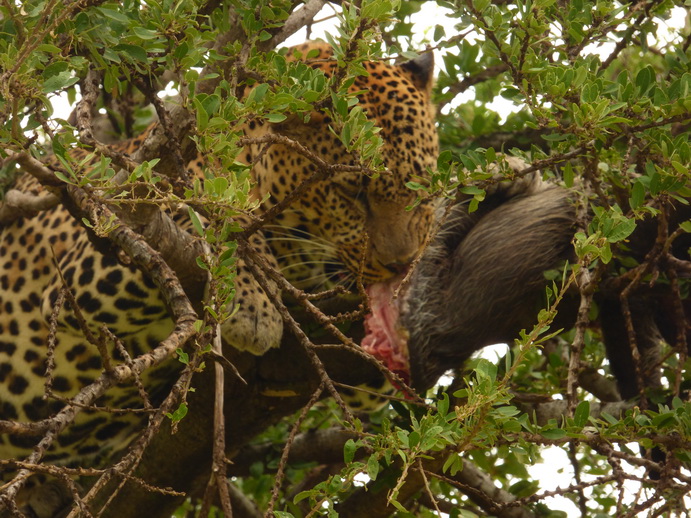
x: 134, y: 52
x: 453, y: 464
x: 622, y: 230
x: 377, y: 10
x: 372, y: 467
x: 266, y: 13
x: 680, y: 168
x: 637, y: 195
x: 179, y: 414
x: 486, y: 369
x: 582, y: 414
x: 511, y: 93
x: 300, y: 497
x: 481, y: 5
x: 276, y: 117
x: 554, y: 434
x: 59, y: 81
x: 258, y: 92
x: 144, y: 34
x: 443, y: 405
x: 664, y: 420
x: 181, y: 51
x: 82, y: 23
x: 64, y: 178
x: 398, y: 506
x: 211, y: 103
x: 683, y: 456
x: 183, y: 357
x: 111, y: 55
x: 55, y: 68
x: 472, y: 190
x: 507, y: 411
x: 114, y: 15
x: 48, y: 48
x: 645, y: 78
x: 349, y: 449
x: 202, y: 116
x: 403, y: 438
x: 413, y: 439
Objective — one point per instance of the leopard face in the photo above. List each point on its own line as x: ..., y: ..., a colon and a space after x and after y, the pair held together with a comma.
x: 342, y: 226
x: 350, y: 223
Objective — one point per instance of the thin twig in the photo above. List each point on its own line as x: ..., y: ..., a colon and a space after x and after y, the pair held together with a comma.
x: 286, y: 449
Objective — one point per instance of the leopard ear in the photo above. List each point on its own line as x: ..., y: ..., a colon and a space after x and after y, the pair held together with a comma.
x: 421, y: 70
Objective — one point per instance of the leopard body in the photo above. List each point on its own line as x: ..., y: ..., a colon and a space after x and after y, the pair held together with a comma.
x: 346, y: 225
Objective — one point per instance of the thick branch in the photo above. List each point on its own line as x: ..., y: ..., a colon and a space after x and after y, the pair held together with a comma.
x: 17, y: 204
x: 296, y: 21
x: 320, y: 446
x: 486, y: 494
x: 601, y: 387
x: 243, y: 507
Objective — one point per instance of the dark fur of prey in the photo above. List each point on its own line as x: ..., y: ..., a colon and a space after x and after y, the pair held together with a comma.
x: 481, y: 282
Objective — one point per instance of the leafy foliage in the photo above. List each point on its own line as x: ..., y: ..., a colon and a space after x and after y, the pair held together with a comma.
x: 598, y: 93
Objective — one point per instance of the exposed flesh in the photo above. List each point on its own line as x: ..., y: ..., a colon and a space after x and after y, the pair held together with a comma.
x: 385, y: 339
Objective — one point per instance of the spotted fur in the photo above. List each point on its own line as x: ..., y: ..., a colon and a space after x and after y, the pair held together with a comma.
x: 321, y: 238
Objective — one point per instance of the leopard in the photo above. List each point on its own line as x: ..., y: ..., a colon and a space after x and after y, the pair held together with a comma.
x: 349, y: 225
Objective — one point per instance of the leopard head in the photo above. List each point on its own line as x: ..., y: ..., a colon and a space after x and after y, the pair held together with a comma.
x: 352, y: 223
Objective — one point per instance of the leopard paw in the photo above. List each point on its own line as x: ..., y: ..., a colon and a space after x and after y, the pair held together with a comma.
x: 255, y: 325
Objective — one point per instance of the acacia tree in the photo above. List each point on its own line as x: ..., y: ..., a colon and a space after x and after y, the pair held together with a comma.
x: 601, y: 97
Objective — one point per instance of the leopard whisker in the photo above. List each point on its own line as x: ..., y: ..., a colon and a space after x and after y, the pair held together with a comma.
x: 307, y: 244
x: 335, y: 277
x: 307, y: 263
x: 297, y: 232
x: 318, y: 253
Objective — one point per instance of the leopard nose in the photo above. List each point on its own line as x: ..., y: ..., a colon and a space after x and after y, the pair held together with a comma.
x: 394, y: 256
